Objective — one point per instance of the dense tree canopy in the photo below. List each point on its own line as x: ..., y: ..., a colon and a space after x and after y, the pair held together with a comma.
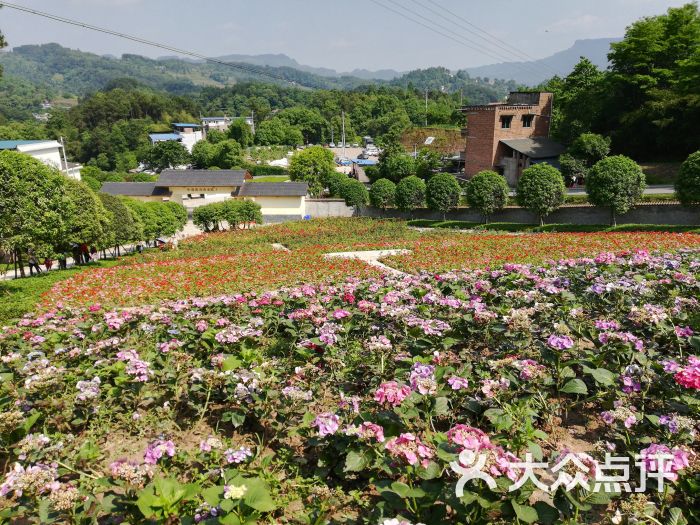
x: 165, y: 155
x: 314, y: 166
x: 32, y: 200
x: 649, y: 100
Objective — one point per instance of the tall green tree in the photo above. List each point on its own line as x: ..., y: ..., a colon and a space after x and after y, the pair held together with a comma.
x: 165, y: 155
x: 650, y: 109
x: 240, y: 131
x: 33, y: 203
x: 85, y: 218
x: 313, y: 165
x: 122, y: 227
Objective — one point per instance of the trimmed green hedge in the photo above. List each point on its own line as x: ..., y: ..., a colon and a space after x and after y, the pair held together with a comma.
x: 568, y: 228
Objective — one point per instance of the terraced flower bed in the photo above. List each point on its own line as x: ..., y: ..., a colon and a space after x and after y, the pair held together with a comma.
x: 364, y: 401
x: 233, y: 262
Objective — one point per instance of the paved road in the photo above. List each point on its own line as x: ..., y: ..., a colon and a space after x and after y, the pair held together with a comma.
x: 650, y: 190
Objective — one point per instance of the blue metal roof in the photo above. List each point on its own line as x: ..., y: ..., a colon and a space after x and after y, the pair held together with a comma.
x: 186, y: 125
x: 157, y: 137
x: 205, y: 119
x: 12, y: 144
x: 364, y: 162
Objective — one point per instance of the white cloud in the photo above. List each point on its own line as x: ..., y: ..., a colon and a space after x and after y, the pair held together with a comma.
x: 578, y: 22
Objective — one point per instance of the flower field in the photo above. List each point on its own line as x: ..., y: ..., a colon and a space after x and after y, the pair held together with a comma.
x: 366, y: 399
x: 246, y: 261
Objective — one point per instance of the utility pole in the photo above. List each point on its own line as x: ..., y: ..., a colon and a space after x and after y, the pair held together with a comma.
x: 252, y: 119
x: 343, y: 139
x: 426, y: 108
x: 65, y: 160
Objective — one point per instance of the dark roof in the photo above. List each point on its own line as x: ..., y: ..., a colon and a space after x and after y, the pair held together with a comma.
x: 274, y: 189
x: 536, y: 148
x: 134, y: 189
x: 183, y: 178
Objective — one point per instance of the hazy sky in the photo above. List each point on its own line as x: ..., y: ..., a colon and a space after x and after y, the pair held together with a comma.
x: 342, y: 35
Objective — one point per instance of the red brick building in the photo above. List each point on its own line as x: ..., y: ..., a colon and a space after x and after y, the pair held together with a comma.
x: 510, y: 136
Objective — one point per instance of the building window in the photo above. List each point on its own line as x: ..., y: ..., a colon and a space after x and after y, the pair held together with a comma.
x: 527, y: 120
x: 506, y: 121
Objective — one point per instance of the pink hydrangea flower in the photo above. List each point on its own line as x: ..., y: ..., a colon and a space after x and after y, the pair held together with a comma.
x: 661, y: 458
x: 157, y: 450
x: 327, y: 424
x: 392, y: 393
x: 410, y: 448
x: 689, y: 376
x: 468, y: 437
x: 366, y: 430
x: 560, y: 342
x: 458, y: 383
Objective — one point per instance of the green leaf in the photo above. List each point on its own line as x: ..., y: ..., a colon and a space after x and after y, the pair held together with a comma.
x: 575, y: 386
x: 524, y: 512
x: 405, y: 491
x: 356, y: 461
x: 231, y: 363
x: 567, y: 371
x: 258, y: 495
x: 546, y: 513
x: 535, y: 450
x: 432, y: 471
x: 212, y: 495
x: 601, y: 375
x: 442, y: 406
x: 676, y: 517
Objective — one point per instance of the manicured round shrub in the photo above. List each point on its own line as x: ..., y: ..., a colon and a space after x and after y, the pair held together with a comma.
x: 541, y: 190
x: 335, y: 181
x: 688, y: 183
x: 487, y: 192
x: 382, y: 194
x: 354, y: 193
x: 617, y: 183
x: 410, y: 193
x: 442, y: 193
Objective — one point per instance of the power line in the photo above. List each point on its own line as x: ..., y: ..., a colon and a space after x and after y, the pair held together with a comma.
x: 525, y: 68
x: 84, y: 25
x: 450, y: 34
x: 496, y: 41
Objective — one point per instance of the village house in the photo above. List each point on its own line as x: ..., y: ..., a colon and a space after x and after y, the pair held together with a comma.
x: 50, y: 152
x: 509, y: 137
x: 185, y: 133
x: 222, y: 124
x: 192, y: 188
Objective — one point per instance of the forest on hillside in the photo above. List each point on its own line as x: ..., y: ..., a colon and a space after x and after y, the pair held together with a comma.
x: 648, y: 101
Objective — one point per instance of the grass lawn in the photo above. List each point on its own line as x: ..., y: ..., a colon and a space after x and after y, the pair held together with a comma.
x: 19, y: 296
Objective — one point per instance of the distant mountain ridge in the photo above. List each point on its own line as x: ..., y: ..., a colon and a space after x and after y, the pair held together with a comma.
x: 561, y: 63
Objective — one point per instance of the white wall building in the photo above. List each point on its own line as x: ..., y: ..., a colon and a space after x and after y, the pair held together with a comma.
x: 187, y: 134
x: 50, y: 152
